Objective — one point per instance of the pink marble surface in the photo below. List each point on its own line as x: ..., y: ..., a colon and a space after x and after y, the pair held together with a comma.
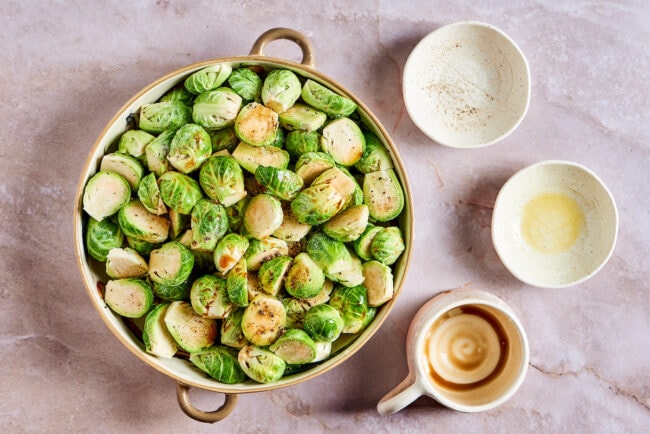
x: 67, y: 66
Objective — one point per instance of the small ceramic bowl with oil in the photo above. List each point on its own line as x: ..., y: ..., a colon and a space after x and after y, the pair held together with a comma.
x: 554, y: 224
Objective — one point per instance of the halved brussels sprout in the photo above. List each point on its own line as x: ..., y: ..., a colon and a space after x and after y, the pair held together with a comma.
x: 296, y: 310
x: 331, y: 255
x: 223, y: 139
x: 281, y: 89
x: 134, y: 143
x: 362, y: 244
x: 231, y: 332
x: 323, y: 295
x: 383, y: 194
x: 322, y: 98
x: 301, y: 117
x: 235, y: 213
x: 130, y: 298
x: 191, y: 331
x: 263, y: 216
x: 323, y: 351
x: 178, y: 93
x: 282, y: 183
x: 222, y: 179
x: 149, y: 195
x: 157, y: 339
x: 317, y: 204
x: 375, y: 156
x: 179, y: 191
x: 178, y: 223
x: 272, y: 273
x: 217, y: 108
x: 166, y: 115
x: 208, y: 78
x: 246, y: 83
x: 229, y: 250
x: 388, y: 245
x: 295, y: 347
x: 323, y: 323
x: 290, y: 229
x: 220, y: 363
x: 264, y: 320
x: 136, y: 222
x: 157, y: 151
x: 190, y: 147
x: 263, y: 250
x: 349, y: 224
x: 124, y: 263
x: 261, y: 365
x: 104, y: 194
x: 101, y: 237
x: 209, y: 223
x: 127, y: 166
x: 351, y: 274
x: 298, y: 143
x: 237, y: 283
x: 171, y: 264
x: 209, y: 297
x: 341, y: 180
x: 378, y: 281
x: 144, y: 248
x: 344, y: 141
x: 250, y: 157
x: 257, y: 125
x: 312, y: 164
x: 253, y: 285
x: 352, y: 303
x: 173, y: 292
x: 305, y: 278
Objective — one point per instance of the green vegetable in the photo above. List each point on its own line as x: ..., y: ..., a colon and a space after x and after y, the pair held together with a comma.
x: 127, y: 166
x: 352, y: 304
x: 250, y: 157
x: 191, y: 331
x: 237, y: 283
x: 149, y: 195
x: 305, y: 278
x: 229, y: 250
x: 272, y: 273
x: 157, y: 150
x: 322, y: 98
x: 134, y: 143
x: 323, y: 323
x: 231, y: 332
x: 263, y: 250
x: 301, y: 117
x: 388, y: 245
x: 344, y: 141
x: 302, y: 142
x: 264, y: 320
x: 282, y: 183
x: 190, y: 147
x: 215, y: 109
x: 246, y: 83
x: 383, y: 194
x: 281, y: 89
x: 179, y: 191
x: 124, y: 263
x: 166, y: 115
x: 257, y: 125
x: 130, y: 298
x: 263, y: 216
x: 208, y: 78
x: 209, y: 297
x: 375, y: 156
x: 171, y: 264
x: 101, y: 237
x: 222, y: 179
x: 136, y: 222
x: 220, y: 363
x: 261, y: 365
x: 156, y: 337
x: 209, y: 224
x: 295, y: 347
x: 349, y: 224
x: 104, y: 194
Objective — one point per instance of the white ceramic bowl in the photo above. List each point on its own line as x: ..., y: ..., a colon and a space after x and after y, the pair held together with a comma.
x: 554, y: 224
x: 466, y: 85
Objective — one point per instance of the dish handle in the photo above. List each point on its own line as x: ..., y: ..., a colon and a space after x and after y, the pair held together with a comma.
x: 183, y: 395
x: 284, y: 33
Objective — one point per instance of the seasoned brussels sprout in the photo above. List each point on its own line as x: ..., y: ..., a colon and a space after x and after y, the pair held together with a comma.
x: 229, y: 250
x: 144, y: 248
x: 331, y: 255
x: 323, y: 323
x: 375, y: 156
x: 312, y: 164
x: 341, y: 180
x: 282, y: 183
x: 171, y: 264
x: 149, y: 195
x: 173, y: 292
x: 317, y: 204
x: 351, y: 274
x: 272, y: 273
x: 191, y: 331
x: 124, y: 263
x: 136, y: 222
x: 237, y: 283
x: 220, y: 363
x: 253, y: 285
x: 190, y: 147
x: 104, y: 194
x: 209, y: 297
x: 295, y: 347
x: 222, y: 179
x: 298, y: 143
x: 323, y: 351
x: 231, y: 332
x: 257, y: 125
x: 246, y: 83
x: 178, y: 223
x: 383, y: 194
x: 323, y: 295
x: 215, y: 109
x: 281, y: 89
x: 157, y: 151
x: 235, y: 213
x: 208, y: 78
x: 166, y: 115
x: 305, y: 278
x: 322, y: 98
x: 378, y: 281
x: 349, y: 224
x: 156, y: 337
x: 127, y: 166
x: 179, y: 191
x: 263, y: 216
x: 209, y: 223
x: 263, y: 250
x: 261, y: 365
x: 223, y: 139
x: 387, y: 245
x: 264, y: 320
x: 134, y: 143
x: 362, y: 244
x: 352, y: 304
x: 101, y: 237
x: 291, y: 229
x: 343, y: 140
x: 131, y: 298
x: 250, y: 157
x: 296, y: 309
x: 301, y: 117
x: 178, y: 93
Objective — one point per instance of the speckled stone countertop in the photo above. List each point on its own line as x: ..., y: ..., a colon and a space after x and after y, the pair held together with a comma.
x: 68, y: 66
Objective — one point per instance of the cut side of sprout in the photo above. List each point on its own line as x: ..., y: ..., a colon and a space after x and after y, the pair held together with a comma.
x: 378, y: 281
x: 131, y: 298
x: 191, y: 331
x: 383, y: 195
x: 156, y: 337
x: 264, y: 320
x: 257, y: 125
x: 125, y: 165
x: 344, y: 141
x: 104, y: 194
x: 122, y: 263
x: 136, y: 222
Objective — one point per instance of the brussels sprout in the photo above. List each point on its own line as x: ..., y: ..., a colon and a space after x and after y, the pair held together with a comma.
x: 343, y: 140
x: 156, y: 337
x: 178, y: 93
x: 235, y: 213
x: 341, y: 180
x: 257, y: 125
x: 375, y: 156
x: 323, y: 323
x: 246, y: 83
x: 136, y: 222
x: 231, y: 332
x: 220, y: 363
x: 179, y: 192
x: 387, y: 245
x: 263, y: 216
x: 166, y: 115
x: 323, y: 295
x: 331, y: 255
x: 190, y: 147
x: 209, y: 223
x: 348, y: 225
x: 130, y: 298
x: 323, y: 351
x: 378, y: 281
x: 127, y: 166
x: 208, y: 78
x: 353, y: 305
x: 191, y: 331
x: 250, y: 157
x: 171, y: 264
x: 362, y: 244
x: 281, y: 89
x: 237, y: 283
x: 134, y: 143
x: 322, y: 98
x: 229, y: 250
x: 222, y: 179
x: 157, y: 151
x: 282, y: 183
x: 178, y: 223
x: 223, y: 139
x: 264, y: 320
x: 290, y: 229
x: 261, y: 365
x: 144, y: 248
x: 125, y: 263
x: 301, y: 117
x: 253, y: 285
x: 296, y: 309
x: 101, y: 237
x: 383, y: 194
x: 312, y: 164
x: 305, y: 278
x: 317, y: 204
x: 272, y: 273
x: 295, y: 347
x: 215, y: 109
x: 351, y: 274
x: 279, y: 139
x: 104, y: 194
x: 209, y: 297
x: 149, y: 195
x: 173, y: 292
x: 302, y: 142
